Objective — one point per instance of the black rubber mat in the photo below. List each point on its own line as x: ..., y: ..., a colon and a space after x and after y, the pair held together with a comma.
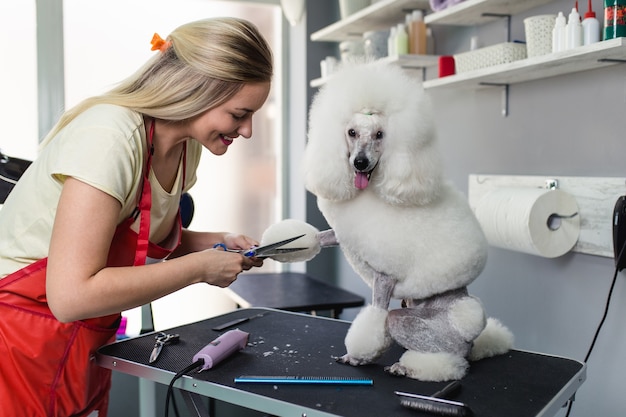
x: 518, y: 384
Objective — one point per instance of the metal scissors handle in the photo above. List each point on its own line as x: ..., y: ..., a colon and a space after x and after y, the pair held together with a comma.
x: 266, y: 250
x: 162, y: 339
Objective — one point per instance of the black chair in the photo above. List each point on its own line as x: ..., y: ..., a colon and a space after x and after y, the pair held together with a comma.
x: 11, y: 169
x: 187, y: 209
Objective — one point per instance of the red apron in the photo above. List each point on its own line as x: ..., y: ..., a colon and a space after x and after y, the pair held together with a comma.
x: 48, y: 368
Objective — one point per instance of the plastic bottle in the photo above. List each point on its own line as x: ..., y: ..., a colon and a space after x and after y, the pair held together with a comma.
x: 558, y: 34
x: 574, y: 30
x: 391, y: 42
x: 474, y: 43
x: 402, y: 39
x: 430, y: 42
x: 417, y: 33
x: 408, y: 19
x: 591, y: 26
x: 614, y: 19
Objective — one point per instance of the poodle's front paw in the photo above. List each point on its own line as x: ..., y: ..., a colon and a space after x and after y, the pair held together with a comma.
x: 367, y: 337
x: 292, y: 227
x: 350, y: 360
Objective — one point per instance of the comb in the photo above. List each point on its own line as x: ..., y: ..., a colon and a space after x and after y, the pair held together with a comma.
x: 324, y: 380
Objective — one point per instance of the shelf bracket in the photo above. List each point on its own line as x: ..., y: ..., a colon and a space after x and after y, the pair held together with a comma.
x: 616, y: 60
x: 508, y: 22
x: 407, y: 10
x: 505, y: 96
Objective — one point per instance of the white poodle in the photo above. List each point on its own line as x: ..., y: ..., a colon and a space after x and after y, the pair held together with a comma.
x: 372, y: 162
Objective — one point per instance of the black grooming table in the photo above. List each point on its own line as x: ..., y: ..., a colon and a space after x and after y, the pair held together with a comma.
x: 517, y: 384
x: 291, y: 291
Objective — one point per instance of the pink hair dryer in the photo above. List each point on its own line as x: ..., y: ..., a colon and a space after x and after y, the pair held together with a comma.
x: 219, y: 349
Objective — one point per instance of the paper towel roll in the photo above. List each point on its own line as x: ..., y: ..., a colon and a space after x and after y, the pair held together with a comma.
x: 531, y: 220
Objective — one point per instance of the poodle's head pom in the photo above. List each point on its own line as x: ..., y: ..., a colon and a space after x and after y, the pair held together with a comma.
x: 409, y: 170
x: 288, y: 228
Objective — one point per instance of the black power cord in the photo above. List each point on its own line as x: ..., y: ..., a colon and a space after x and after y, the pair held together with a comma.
x: 170, y: 389
x: 604, y: 315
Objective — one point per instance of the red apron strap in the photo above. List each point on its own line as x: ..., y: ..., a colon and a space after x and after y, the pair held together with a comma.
x: 143, y: 238
x: 145, y: 203
x: 68, y: 380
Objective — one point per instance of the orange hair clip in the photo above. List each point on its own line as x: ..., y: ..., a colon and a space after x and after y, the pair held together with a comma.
x: 159, y: 43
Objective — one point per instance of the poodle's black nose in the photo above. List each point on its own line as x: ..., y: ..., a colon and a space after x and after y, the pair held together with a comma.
x: 361, y: 162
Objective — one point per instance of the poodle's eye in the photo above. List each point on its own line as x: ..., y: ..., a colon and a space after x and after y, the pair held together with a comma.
x: 379, y: 135
x: 351, y: 132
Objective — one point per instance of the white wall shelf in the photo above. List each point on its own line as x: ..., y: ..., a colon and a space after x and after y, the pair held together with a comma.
x: 408, y: 62
x: 386, y: 13
x: 477, y: 12
x: 413, y: 61
x: 379, y: 16
x: 583, y: 58
x: 383, y: 14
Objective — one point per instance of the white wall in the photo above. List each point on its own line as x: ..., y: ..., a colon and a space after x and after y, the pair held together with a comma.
x: 570, y: 125
x: 18, y: 79
x: 567, y: 125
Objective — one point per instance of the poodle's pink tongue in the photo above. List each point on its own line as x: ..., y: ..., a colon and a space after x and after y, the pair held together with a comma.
x: 361, y: 181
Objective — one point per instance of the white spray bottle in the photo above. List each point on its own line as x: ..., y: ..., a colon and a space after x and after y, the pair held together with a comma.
x: 574, y: 29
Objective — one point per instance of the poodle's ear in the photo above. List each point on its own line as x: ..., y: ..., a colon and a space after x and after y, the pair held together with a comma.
x: 327, y: 174
x: 410, y: 180
x: 410, y: 170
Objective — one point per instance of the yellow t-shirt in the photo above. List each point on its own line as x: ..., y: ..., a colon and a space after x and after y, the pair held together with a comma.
x: 105, y: 147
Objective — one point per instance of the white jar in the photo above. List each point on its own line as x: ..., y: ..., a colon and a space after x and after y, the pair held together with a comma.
x: 375, y: 43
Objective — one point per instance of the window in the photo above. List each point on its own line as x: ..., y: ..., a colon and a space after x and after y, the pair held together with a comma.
x: 18, y: 79
x: 239, y: 191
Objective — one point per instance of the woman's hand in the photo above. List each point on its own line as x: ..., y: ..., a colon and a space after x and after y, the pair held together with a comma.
x: 237, y: 241
x: 79, y: 285
x: 222, y: 267
x: 193, y: 241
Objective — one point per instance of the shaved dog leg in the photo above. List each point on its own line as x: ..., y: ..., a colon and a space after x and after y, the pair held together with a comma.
x: 368, y: 337
x: 381, y: 291
x: 327, y: 238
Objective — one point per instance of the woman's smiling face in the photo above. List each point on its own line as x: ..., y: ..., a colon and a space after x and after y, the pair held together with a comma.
x: 216, y: 128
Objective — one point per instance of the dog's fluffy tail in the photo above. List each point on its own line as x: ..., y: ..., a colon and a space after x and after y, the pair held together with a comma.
x: 495, y: 339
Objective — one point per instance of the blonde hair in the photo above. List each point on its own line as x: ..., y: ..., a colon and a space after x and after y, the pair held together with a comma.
x: 206, y: 63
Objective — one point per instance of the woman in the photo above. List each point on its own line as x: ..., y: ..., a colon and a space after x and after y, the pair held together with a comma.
x: 83, y: 229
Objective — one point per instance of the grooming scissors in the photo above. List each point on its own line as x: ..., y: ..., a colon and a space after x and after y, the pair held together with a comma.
x: 266, y: 250
x: 162, y: 339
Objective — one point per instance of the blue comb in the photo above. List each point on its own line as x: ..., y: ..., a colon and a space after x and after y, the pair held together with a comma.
x: 325, y: 380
